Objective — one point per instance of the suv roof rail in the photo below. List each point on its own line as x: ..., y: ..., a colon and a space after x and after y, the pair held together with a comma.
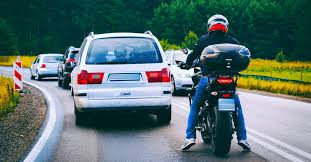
x: 148, y: 32
x: 91, y: 34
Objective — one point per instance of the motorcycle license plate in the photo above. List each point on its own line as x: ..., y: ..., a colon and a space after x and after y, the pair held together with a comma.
x: 226, y: 105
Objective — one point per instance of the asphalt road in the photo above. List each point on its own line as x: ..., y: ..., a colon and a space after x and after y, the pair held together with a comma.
x: 278, y: 130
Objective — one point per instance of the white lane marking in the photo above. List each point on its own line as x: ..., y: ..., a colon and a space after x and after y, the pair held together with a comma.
x: 285, y: 145
x: 266, y: 145
x: 186, y: 108
x: 275, y: 149
x: 48, y: 129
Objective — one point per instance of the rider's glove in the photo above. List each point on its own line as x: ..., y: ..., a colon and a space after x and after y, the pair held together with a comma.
x: 183, y: 65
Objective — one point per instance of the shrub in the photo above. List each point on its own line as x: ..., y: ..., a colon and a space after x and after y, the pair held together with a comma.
x: 288, y: 88
x: 8, y: 98
x: 280, y: 57
x: 190, y: 40
x: 166, y: 45
x: 8, y: 60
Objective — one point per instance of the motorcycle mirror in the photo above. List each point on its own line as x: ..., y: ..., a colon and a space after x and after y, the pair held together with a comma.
x: 185, y: 51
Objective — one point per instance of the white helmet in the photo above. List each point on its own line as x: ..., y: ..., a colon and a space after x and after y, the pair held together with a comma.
x: 219, y: 20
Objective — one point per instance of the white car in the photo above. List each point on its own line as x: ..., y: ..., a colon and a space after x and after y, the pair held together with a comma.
x: 181, y: 79
x: 45, y: 65
x: 122, y: 71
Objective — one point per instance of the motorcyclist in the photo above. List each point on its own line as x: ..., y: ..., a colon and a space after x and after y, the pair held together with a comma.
x: 217, y: 27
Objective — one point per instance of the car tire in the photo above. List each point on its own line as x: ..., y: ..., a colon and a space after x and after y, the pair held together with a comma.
x: 165, y: 116
x: 59, y: 81
x: 38, y: 77
x: 71, y: 90
x: 80, y: 116
x: 31, y: 76
x: 65, y: 84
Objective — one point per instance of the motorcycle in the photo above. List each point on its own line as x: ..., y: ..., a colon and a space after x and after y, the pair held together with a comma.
x: 224, y: 61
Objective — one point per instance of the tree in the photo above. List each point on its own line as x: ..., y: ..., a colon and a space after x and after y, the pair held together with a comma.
x: 190, y: 40
x: 8, y: 39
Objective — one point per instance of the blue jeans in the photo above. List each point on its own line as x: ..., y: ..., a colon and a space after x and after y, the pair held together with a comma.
x: 198, y: 101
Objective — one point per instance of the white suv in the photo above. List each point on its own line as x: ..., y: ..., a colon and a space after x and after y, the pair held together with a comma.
x: 122, y: 71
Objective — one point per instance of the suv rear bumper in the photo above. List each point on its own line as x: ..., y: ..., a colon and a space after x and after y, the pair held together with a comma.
x: 84, y: 104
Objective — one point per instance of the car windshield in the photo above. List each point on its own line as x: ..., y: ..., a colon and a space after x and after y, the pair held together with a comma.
x: 73, y: 54
x: 52, y: 59
x: 125, y: 50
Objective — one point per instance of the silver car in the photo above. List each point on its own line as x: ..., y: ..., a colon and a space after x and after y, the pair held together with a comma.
x: 45, y: 65
x: 122, y: 71
x: 181, y: 79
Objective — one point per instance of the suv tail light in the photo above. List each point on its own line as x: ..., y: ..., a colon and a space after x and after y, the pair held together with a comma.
x: 158, y: 76
x: 224, y: 80
x: 71, y: 60
x: 43, y: 66
x: 90, y: 78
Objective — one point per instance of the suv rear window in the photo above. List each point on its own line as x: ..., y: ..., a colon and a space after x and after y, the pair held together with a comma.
x: 73, y: 54
x: 123, y: 50
x: 52, y: 59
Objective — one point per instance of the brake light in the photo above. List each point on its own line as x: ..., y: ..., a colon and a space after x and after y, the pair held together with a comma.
x: 224, y: 80
x: 226, y: 95
x: 43, y: 66
x: 90, y: 78
x: 158, y: 76
x: 71, y: 60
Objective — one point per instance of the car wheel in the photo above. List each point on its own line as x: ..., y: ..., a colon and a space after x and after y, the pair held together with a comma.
x: 38, y: 77
x: 80, y: 116
x: 65, y: 84
x: 31, y: 76
x: 174, y: 86
x: 71, y: 91
x: 164, y: 116
x: 59, y: 81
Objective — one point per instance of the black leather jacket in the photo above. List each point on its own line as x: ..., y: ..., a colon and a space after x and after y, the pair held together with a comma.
x: 206, y: 40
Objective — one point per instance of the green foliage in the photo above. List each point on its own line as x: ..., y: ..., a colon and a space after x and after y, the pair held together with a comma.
x: 280, y: 57
x: 166, y: 45
x: 264, y: 26
x: 8, y: 98
x: 190, y: 40
x: 8, y: 40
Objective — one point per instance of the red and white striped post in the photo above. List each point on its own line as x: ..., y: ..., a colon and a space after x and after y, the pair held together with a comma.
x: 17, y: 74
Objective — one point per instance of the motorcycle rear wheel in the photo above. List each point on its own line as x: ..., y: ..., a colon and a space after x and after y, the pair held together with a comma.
x: 222, y: 133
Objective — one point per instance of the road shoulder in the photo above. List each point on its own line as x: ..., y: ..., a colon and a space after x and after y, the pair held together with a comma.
x: 19, y: 129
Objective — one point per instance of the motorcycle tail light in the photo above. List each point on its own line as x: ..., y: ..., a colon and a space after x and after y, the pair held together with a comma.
x: 224, y: 80
x: 226, y: 95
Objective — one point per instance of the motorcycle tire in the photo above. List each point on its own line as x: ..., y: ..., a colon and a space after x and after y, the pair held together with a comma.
x: 222, y: 134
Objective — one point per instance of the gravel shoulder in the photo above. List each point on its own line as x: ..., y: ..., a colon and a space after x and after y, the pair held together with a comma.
x: 19, y: 128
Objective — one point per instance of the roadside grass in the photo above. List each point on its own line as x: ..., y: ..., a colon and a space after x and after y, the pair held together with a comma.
x: 8, y: 98
x: 8, y: 60
x: 288, y: 88
x: 286, y: 70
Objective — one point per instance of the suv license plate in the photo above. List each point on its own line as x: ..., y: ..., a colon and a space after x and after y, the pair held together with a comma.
x: 226, y: 105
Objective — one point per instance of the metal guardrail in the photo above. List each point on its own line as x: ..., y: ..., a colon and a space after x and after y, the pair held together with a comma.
x: 273, y: 79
